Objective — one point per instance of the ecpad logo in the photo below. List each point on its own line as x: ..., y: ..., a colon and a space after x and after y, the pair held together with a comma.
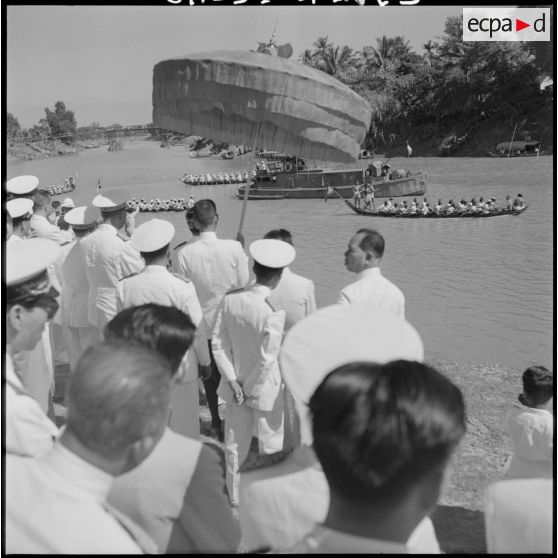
x: 506, y: 24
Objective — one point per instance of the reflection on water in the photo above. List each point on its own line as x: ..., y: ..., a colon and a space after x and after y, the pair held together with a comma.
x: 476, y: 290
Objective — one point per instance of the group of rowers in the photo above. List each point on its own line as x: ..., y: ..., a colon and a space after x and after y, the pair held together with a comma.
x: 67, y: 186
x: 173, y: 204
x: 233, y: 177
x: 473, y: 206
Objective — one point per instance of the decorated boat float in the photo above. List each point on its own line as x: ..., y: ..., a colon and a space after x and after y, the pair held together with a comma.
x: 69, y: 185
x: 207, y: 179
x: 156, y: 205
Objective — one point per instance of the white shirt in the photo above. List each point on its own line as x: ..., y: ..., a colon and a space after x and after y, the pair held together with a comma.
x: 531, y: 433
x: 246, y: 343
x: 107, y: 260
x: 155, y: 284
x: 295, y: 294
x: 371, y: 287
x: 273, y: 514
x: 28, y: 430
x: 215, y: 266
x: 55, y: 505
x: 41, y: 227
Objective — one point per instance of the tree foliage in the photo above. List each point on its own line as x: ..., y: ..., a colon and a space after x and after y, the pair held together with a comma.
x: 12, y: 125
x: 62, y: 122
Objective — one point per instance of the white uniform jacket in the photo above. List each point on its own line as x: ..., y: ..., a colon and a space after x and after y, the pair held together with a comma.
x: 55, y: 505
x: 41, y: 227
x: 295, y: 294
x: 75, y: 288
x: 371, y: 287
x: 28, y: 430
x: 246, y: 343
x: 215, y: 266
x: 107, y: 260
x: 155, y: 284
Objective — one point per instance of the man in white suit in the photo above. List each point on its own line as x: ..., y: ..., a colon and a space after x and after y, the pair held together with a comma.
x: 246, y: 342
x: 363, y: 257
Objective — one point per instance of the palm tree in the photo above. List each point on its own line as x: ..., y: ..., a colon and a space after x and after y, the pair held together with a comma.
x: 430, y: 47
x: 388, y: 49
x: 307, y: 57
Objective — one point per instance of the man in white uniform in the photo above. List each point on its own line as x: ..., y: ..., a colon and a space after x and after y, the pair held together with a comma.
x: 118, y: 399
x: 40, y: 225
x: 272, y: 512
x: 77, y: 331
x: 30, y: 303
x: 24, y: 185
x: 20, y: 210
x: 246, y: 342
x: 384, y: 434
x: 108, y: 258
x: 363, y: 257
x: 156, y: 284
x: 215, y: 266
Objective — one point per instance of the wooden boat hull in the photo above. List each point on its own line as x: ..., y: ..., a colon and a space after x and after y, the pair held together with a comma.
x: 505, y: 155
x: 455, y: 215
x: 414, y: 185
x: 260, y: 198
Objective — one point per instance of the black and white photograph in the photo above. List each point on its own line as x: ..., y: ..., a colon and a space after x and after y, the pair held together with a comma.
x: 279, y: 278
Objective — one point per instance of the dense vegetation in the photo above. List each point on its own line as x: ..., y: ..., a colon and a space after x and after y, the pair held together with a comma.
x: 451, y: 88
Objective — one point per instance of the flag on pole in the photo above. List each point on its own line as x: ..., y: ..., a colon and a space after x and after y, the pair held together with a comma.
x: 99, y: 185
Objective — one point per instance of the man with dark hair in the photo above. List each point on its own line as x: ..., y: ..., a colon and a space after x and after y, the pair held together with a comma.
x: 246, y: 342
x: 40, y: 225
x: 363, y: 257
x: 530, y: 426
x: 31, y: 302
x: 294, y: 293
x: 177, y: 495
x: 118, y: 398
x: 215, y: 266
x: 384, y: 479
x: 107, y: 257
x: 155, y: 284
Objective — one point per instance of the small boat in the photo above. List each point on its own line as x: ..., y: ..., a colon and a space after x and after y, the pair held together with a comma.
x: 259, y: 197
x: 227, y: 155
x: 69, y: 185
x: 524, y: 148
x: 367, y: 154
x: 442, y: 215
x: 206, y: 179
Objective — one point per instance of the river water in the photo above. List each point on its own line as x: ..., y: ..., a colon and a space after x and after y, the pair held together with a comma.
x: 477, y: 290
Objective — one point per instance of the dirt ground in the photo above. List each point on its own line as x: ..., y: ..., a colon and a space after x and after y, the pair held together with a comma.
x: 480, y: 459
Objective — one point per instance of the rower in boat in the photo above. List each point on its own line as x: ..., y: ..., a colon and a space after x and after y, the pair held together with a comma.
x: 384, y: 207
x: 356, y: 195
x: 413, y: 209
x: 405, y: 207
x: 518, y: 203
x: 425, y: 209
x: 438, y: 207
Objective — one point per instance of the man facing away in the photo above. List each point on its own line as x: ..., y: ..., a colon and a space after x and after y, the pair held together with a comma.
x: 215, y: 266
x: 246, y: 342
x: 21, y: 211
x: 177, y: 495
x: 363, y: 257
x: 30, y: 303
x: 118, y: 399
x: 108, y: 258
x: 155, y: 284
x: 384, y: 479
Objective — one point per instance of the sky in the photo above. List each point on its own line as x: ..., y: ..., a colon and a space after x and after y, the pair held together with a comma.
x: 99, y: 59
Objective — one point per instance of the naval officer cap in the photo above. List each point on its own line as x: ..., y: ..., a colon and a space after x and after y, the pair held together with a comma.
x: 26, y: 268
x: 337, y: 335
x: 273, y: 253
x: 111, y: 200
x: 83, y: 217
x: 19, y: 207
x: 152, y: 235
x: 24, y: 185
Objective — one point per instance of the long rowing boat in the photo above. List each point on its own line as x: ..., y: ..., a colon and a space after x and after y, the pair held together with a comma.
x: 434, y: 215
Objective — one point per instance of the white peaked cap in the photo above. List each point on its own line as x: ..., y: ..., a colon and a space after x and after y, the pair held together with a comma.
x: 152, y: 235
x: 272, y: 252
x: 83, y: 216
x: 22, y: 184
x: 19, y: 207
x: 29, y: 257
x: 68, y: 202
x: 111, y: 200
x: 337, y: 335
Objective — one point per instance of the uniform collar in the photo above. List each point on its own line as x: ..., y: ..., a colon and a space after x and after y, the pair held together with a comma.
x: 155, y: 268
x: 369, y: 272
x: 260, y: 289
x: 208, y: 235
x: 517, y: 403
x: 107, y: 227
x: 83, y: 476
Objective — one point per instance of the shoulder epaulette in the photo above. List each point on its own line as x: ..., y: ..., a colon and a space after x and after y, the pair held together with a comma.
x: 180, y: 245
x: 182, y: 278
x: 235, y: 291
x: 128, y: 276
x: 272, y: 304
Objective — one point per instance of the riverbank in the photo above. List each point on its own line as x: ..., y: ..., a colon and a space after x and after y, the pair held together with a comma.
x: 479, y: 460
